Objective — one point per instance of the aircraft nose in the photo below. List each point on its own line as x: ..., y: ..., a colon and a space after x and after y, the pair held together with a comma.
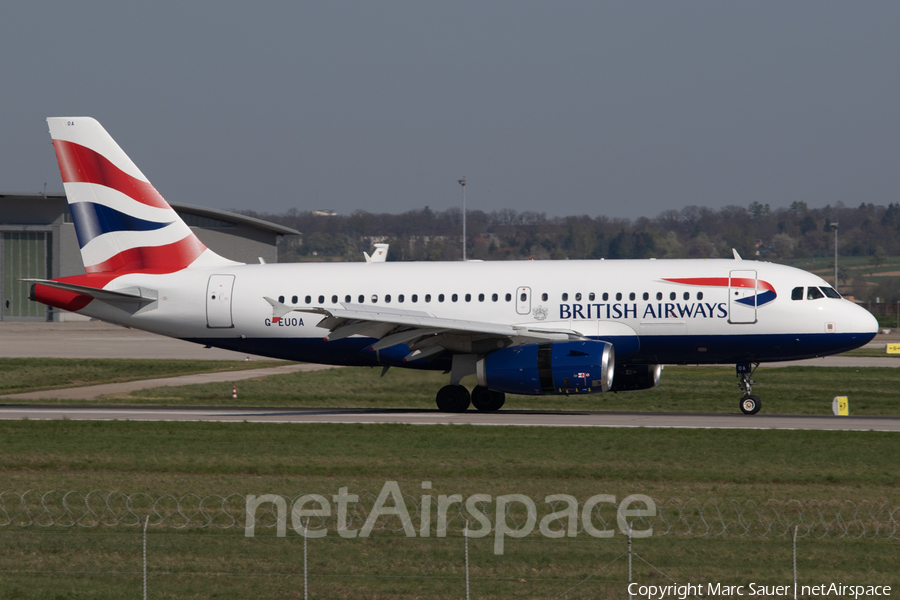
x: 863, y: 321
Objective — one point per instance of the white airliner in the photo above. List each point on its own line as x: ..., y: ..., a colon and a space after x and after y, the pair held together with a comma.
x: 523, y: 327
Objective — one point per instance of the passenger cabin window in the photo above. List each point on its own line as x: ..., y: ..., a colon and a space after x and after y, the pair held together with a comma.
x: 672, y: 296
x: 659, y: 295
x: 440, y: 297
x: 699, y: 295
x: 293, y: 299
x: 415, y: 298
x: 544, y: 296
x: 334, y: 299
x: 308, y: 299
x: 347, y: 299
x: 591, y: 296
x: 618, y: 295
x: 281, y: 299
x: 454, y: 297
x: 495, y: 297
x: 813, y: 293
x: 578, y: 297
x: 687, y: 295
x: 509, y: 297
x: 481, y: 297
x: 374, y: 298
x: 829, y: 291
x: 321, y: 299
x: 631, y: 296
x: 468, y: 297
x: 387, y: 298
x: 362, y: 299
x: 797, y: 293
x: 565, y: 297
x: 400, y: 298
x: 427, y: 297
x: 524, y: 297
x: 605, y: 296
x: 646, y: 296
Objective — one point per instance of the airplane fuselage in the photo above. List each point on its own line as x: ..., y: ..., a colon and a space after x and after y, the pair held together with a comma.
x: 655, y: 311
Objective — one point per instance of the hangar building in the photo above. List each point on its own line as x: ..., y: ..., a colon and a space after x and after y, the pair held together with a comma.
x: 37, y: 240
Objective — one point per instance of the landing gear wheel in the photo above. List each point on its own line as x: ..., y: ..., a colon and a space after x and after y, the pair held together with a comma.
x: 487, y: 400
x: 750, y: 404
x: 453, y: 398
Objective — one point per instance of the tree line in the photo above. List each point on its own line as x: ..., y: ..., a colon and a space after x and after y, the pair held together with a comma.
x: 692, y: 232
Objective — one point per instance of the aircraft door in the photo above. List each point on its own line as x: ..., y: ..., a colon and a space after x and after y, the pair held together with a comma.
x: 218, y: 301
x: 742, y: 297
x: 523, y: 300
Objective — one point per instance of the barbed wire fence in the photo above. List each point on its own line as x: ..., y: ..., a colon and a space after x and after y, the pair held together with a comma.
x: 215, y: 525
x: 828, y: 519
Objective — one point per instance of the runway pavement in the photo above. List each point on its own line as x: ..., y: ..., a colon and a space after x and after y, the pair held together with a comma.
x: 94, y: 339
x: 433, y: 417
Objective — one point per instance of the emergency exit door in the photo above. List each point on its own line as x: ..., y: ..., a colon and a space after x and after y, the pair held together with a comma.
x: 218, y: 301
x: 523, y: 300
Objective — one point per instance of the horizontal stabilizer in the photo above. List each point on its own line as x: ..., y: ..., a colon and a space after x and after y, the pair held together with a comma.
x: 130, y: 295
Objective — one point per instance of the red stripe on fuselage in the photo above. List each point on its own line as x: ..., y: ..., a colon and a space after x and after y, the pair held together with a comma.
x: 153, y: 259
x: 79, y: 164
x: 739, y: 282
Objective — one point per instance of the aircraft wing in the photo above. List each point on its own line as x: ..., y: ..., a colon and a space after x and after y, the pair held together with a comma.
x: 424, y: 333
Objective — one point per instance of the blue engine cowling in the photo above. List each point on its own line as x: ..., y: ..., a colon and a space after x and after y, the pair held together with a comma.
x: 582, y: 367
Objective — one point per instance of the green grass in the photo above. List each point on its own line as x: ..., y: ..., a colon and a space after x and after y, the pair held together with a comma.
x: 253, y: 458
x: 786, y: 390
x: 220, y: 458
x: 33, y: 374
x: 190, y: 565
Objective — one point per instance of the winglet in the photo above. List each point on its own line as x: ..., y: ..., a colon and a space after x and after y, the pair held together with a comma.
x: 736, y: 255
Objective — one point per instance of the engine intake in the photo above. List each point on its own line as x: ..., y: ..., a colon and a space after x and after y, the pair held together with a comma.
x: 636, y: 377
x: 582, y: 367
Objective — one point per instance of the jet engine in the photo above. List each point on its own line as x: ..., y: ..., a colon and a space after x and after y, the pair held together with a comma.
x: 636, y: 377
x: 580, y: 367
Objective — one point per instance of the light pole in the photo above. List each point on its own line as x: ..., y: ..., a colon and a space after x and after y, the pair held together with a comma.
x: 834, y: 226
x: 462, y: 182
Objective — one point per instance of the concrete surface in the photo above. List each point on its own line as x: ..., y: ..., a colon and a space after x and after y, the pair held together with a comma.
x: 433, y: 417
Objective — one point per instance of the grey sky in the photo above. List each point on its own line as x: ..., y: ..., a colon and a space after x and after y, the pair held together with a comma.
x: 624, y: 109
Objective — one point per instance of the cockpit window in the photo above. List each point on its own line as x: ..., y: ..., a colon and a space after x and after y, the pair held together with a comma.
x: 797, y: 293
x: 813, y: 293
x: 829, y: 291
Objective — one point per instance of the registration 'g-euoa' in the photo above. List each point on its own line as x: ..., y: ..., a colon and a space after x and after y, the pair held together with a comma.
x: 523, y: 327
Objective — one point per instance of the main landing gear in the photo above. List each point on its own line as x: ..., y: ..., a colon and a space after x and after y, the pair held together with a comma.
x: 749, y: 404
x: 456, y: 398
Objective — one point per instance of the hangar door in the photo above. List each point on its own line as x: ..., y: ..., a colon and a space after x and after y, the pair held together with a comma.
x: 23, y: 255
x: 218, y: 301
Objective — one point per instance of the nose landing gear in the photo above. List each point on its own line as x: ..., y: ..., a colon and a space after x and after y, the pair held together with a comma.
x: 749, y: 403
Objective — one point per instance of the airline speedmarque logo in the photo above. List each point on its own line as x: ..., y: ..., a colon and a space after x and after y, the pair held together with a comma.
x: 764, y: 294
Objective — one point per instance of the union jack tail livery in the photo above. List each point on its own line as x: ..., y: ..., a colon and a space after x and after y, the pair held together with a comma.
x: 123, y: 224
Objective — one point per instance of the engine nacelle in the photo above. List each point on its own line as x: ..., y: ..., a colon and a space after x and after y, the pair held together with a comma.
x: 636, y: 377
x: 581, y: 367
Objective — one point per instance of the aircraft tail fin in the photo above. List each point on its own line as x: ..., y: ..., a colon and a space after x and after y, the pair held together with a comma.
x: 122, y: 223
